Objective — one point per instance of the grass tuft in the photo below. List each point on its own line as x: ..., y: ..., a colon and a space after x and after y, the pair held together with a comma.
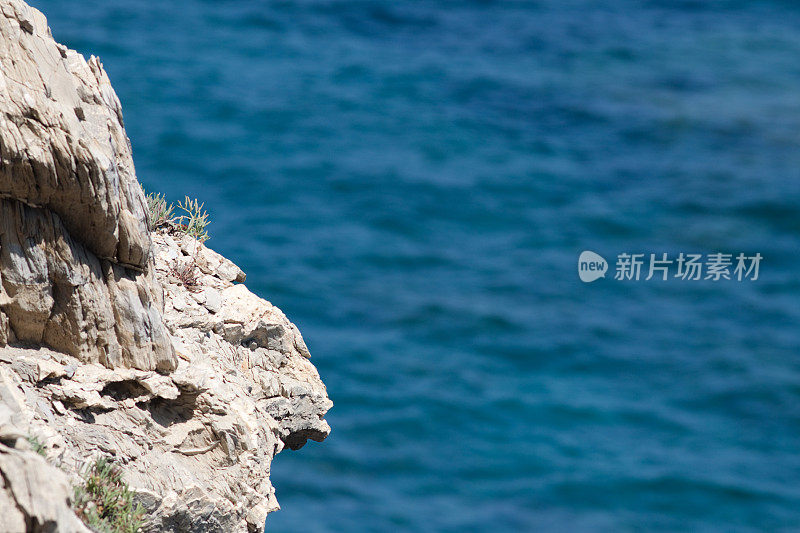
x: 160, y: 211
x: 195, y: 221
x: 37, y: 446
x: 104, y: 502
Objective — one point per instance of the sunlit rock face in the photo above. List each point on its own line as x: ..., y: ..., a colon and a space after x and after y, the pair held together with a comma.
x: 74, y: 242
x: 104, y: 349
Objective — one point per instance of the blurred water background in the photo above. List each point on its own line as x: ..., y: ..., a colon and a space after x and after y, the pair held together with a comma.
x: 412, y: 183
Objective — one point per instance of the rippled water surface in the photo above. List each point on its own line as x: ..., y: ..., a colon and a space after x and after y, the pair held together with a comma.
x: 412, y: 182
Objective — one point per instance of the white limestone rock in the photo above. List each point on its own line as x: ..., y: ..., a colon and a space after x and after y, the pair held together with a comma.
x: 34, y: 496
x: 192, y: 390
x: 75, y: 249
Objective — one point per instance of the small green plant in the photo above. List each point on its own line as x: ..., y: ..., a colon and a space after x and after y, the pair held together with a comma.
x: 160, y: 211
x: 104, y: 502
x: 195, y: 221
x: 37, y: 446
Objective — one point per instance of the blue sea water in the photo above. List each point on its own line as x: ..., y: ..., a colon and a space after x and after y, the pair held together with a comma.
x: 412, y: 182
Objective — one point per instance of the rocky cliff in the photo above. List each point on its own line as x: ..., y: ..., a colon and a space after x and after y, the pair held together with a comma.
x: 105, y: 351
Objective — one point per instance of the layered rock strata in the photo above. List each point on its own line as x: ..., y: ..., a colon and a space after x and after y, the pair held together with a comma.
x: 192, y: 387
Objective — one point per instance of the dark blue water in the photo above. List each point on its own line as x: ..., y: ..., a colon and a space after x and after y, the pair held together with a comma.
x: 412, y: 182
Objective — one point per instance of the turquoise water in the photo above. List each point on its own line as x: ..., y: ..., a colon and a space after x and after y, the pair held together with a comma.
x: 412, y: 182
